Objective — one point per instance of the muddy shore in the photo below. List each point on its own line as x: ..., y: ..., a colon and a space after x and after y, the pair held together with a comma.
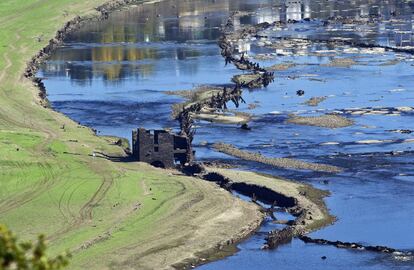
x: 296, y: 141
x: 223, y: 247
x: 304, y: 202
x: 301, y: 200
x: 326, y: 121
x: 224, y: 242
x: 287, y: 163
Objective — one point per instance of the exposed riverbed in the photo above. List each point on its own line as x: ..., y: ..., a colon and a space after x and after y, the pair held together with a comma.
x: 112, y: 75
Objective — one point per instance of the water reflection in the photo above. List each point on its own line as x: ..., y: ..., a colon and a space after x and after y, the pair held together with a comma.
x: 294, y: 9
x: 110, y: 75
x: 119, y: 47
x: 131, y: 41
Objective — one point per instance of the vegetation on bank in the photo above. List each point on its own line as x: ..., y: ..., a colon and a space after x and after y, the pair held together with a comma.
x: 108, y: 214
x: 15, y: 254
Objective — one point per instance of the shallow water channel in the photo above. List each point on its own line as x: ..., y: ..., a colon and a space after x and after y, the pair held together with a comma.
x: 112, y: 75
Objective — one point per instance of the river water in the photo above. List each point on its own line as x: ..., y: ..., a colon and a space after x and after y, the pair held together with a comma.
x: 112, y: 75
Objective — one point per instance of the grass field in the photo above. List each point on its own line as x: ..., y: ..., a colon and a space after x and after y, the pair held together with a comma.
x: 109, y: 214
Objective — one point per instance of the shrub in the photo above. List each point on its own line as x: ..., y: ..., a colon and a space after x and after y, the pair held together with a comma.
x: 26, y: 255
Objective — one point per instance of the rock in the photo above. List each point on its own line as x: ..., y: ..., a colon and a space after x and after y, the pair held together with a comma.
x: 278, y: 237
x: 330, y: 143
x: 402, y: 131
x: 245, y: 79
x: 265, y: 246
x: 203, y: 143
x: 371, y: 141
x: 300, y: 93
x: 119, y: 142
x: 404, y: 109
x: 245, y: 127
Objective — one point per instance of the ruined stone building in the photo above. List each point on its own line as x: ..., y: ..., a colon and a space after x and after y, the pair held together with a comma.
x: 159, y: 148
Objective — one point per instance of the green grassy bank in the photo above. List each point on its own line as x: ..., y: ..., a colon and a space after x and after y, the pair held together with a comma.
x: 109, y: 214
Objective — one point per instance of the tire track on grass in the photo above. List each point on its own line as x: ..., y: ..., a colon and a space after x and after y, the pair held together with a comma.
x: 23, y: 198
x: 86, y: 211
x: 5, y: 115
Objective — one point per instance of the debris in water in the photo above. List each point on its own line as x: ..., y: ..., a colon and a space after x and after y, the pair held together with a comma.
x: 300, y: 93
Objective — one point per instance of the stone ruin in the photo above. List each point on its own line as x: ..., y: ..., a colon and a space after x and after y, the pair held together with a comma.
x: 160, y: 148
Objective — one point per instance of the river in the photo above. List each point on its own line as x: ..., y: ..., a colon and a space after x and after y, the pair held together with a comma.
x: 113, y: 75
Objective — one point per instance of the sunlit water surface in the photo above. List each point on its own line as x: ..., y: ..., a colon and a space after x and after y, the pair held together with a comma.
x: 112, y: 75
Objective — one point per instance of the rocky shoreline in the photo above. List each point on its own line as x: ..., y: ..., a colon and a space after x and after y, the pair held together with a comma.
x: 306, y: 214
x: 309, y: 216
x: 301, y: 200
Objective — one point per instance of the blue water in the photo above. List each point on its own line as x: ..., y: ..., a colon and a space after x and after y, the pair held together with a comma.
x: 112, y: 76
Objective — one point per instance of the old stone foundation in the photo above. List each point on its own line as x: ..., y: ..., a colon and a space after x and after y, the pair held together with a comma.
x: 160, y: 148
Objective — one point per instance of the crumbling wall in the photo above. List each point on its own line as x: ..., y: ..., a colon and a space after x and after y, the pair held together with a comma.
x: 219, y: 100
x: 353, y: 245
x: 159, y: 148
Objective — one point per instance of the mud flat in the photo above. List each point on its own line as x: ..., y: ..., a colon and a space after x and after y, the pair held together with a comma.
x: 280, y: 67
x: 314, y: 101
x: 248, y: 79
x: 225, y: 118
x: 327, y: 121
x: 288, y: 163
x: 341, y: 62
